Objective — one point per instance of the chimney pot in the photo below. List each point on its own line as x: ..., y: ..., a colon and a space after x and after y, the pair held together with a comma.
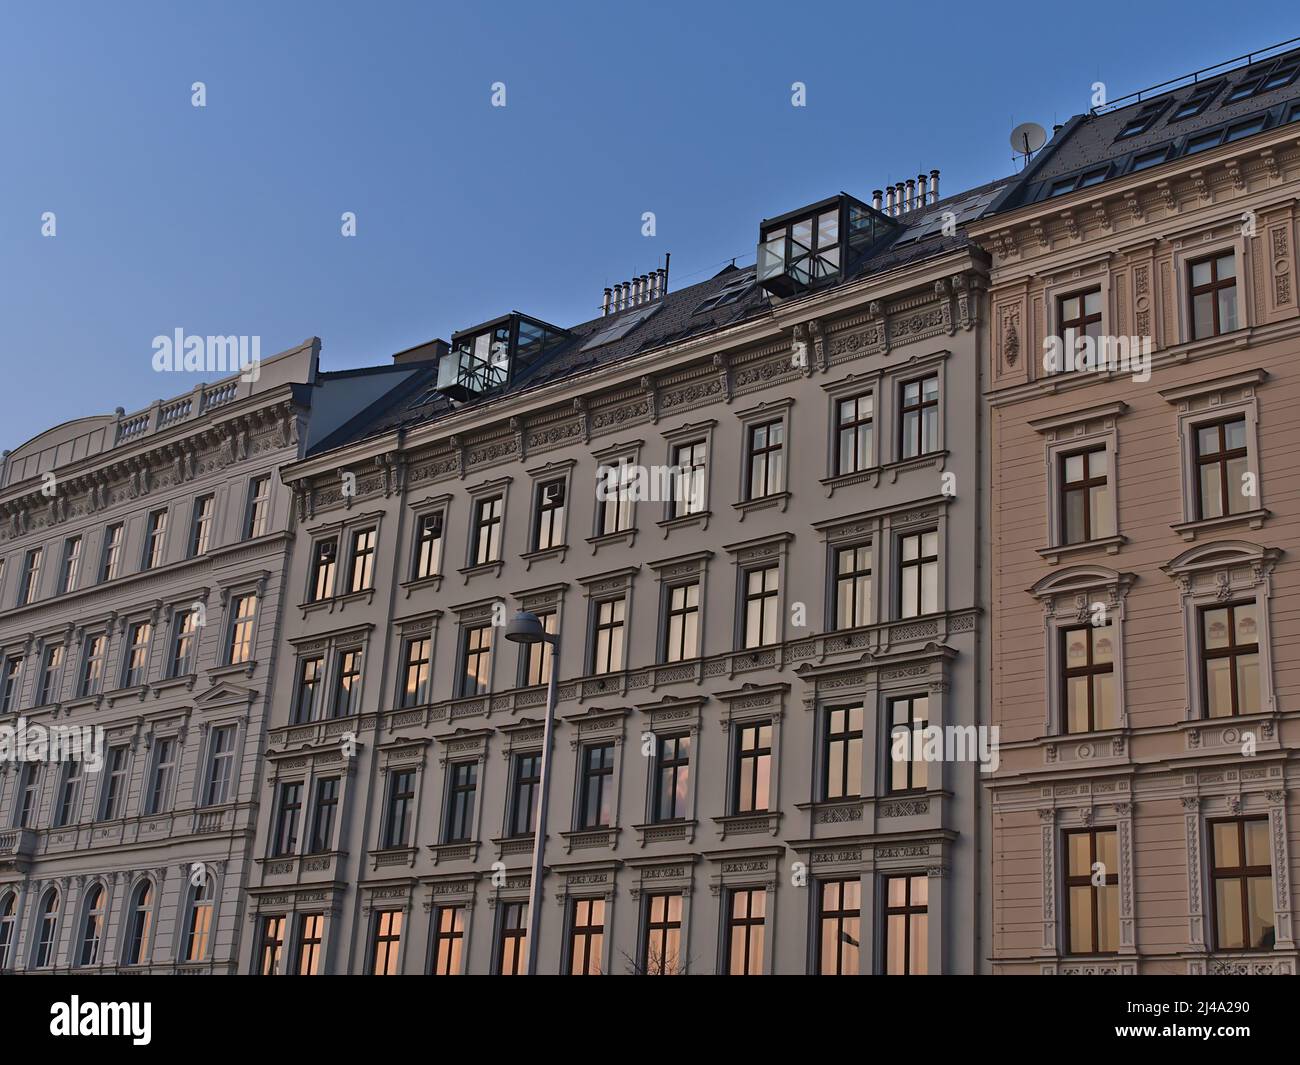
x: 922, y: 198
x: 911, y: 194
x: 605, y: 305
x: 934, y: 185
x: 875, y: 198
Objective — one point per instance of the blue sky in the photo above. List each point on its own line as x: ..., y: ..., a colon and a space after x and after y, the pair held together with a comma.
x: 226, y: 219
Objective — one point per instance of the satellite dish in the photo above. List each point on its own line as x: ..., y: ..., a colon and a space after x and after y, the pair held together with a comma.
x: 1027, y: 138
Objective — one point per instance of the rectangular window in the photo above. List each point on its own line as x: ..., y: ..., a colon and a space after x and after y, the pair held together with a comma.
x: 1212, y: 287
x: 586, y: 936
x: 386, y: 942
x: 28, y: 795
x: 71, y: 569
x: 347, y: 685
x: 201, y: 526
x: 761, y: 603
x: 448, y: 941
x: 136, y: 670
x: 476, y: 660
x: 401, y: 804
x: 614, y: 499
x: 1221, y: 468
x: 322, y: 821
x: 287, y: 815
x: 311, y: 934
x: 185, y: 636
x: 548, y: 516
x: 537, y: 656
x: 243, y: 612
x: 160, y: 780
x: 512, y: 939
x: 13, y: 668
x: 597, y: 796
x: 221, y: 766
x: 110, y: 561
x: 908, y: 717
x: 525, y: 779
x: 155, y: 540
x: 325, y: 554
x: 51, y: 668
x: 682, y: 629
x: 69, y: 808
x: 661, y: 947
x: 1086, y: 509
x: 271, y: 946
x: 306, y: 699
x: 1088, y: 676
x: 672, y: 782
x: 842, y: 752
x: 765, y: 459
x: 839, y: 927
x: 1092, y: 891
x: 746, y: 923
x: 1078, y: 316
x: 906, y: 925
x: 257, y: 517
x: 853, y: 605
x: 361, y: 566
x: 114, y: 785
x: 30, y: 584
x: 853, y: 427
x: 918, y: 574
x: 690, y: 463
x: 607, y: 635
x: 919, y: 416
x: 752, y: 768
x: 92, y: 664
x: 1241, y: 869
x: 428, y: 546
x: 487, y: 530
x: 415, y: 672
x: 1230, y: 659
x: 462, y: 787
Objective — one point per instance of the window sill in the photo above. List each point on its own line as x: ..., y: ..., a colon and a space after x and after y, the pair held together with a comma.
x: 780, y: 500
x: 602, y: 837
x: 869, y: 476
x: 760, y: 822
x: 513, y: 845
x: 433, y: 583
x: 234, y: 669
x: 494, y: 567
x: 181, y: 680
x: 666, y: 832
x: 336, y: 602
x: 134, y: 691
x: 462, y: 851
x: 1254, y: 518
x: 685, y: 521
x: 626, y: 537
x: 915, y: 462
x: 1110, y: 544
x: 1099, y: 745
x: 84, y: 702
x: 545, y: 554
x: 390, y: 856
x: 834, y: 811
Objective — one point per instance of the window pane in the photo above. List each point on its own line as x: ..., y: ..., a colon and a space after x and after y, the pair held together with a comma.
x: 1227, y: 854
x: 1218, y: 685
x: 1081, y: 919
x: 1257, y: 849
x: 1227, y: 905
x: 1203, y: 314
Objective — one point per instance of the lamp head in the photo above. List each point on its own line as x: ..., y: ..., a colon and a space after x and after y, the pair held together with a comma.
x: 525, y: 627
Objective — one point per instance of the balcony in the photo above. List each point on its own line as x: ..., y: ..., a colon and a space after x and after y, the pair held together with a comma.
x: 817, y: 245
x: 16, y: 847
x: 489, y: 357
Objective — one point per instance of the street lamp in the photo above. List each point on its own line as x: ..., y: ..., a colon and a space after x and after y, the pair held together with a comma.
x: 527, y: 628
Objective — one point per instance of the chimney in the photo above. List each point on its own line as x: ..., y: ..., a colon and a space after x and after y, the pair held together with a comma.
x: 889, y: 199
x: 875, y: 198
x: 934, y: 186
x: 641, y: 289
x: 430, y: 351
x: 645, y: 288
x: 605, y: 305
x: 921, y: 196
x: 911, y: 194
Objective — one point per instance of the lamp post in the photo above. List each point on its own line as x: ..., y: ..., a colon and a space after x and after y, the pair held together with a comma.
x: 527, y: 628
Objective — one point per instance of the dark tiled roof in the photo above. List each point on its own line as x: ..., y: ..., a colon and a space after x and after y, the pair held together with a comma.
x: 1091, y: 145
x: 688, y: 312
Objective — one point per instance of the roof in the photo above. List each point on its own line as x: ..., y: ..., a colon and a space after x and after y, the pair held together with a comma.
x: 1143, y: 131
x: 728, y: 298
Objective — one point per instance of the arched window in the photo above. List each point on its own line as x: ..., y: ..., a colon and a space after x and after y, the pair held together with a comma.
x: 139, y: 922
x: 92, y: 926
x: 198, y: 923
x: 8, y: 908
x: 46, y: 930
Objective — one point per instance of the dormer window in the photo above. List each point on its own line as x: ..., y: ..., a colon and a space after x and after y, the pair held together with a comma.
x: 489, y: 357
x: 1197, y: 102
x: 813, y: 246
x: 1142, y: 121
